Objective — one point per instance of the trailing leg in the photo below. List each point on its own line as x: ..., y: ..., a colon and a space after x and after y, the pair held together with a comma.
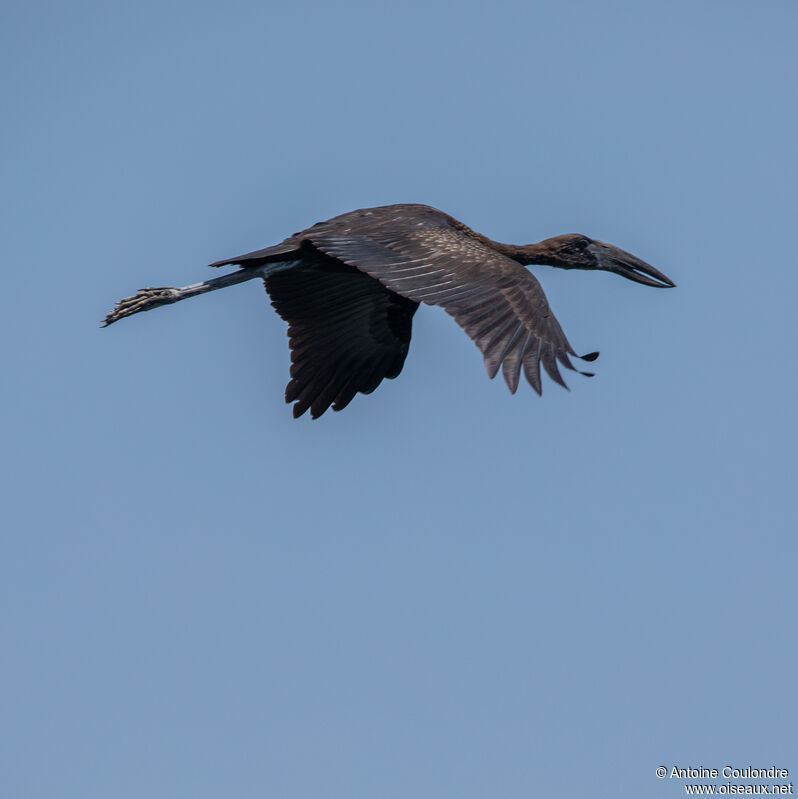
x: 149, y: 298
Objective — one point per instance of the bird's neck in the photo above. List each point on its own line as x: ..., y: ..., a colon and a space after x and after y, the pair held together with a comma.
x: 540, y: 253
x: 527, y: 254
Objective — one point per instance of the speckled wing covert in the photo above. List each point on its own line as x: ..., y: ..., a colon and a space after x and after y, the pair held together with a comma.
x: 347, y: 332
x: 496, y: 300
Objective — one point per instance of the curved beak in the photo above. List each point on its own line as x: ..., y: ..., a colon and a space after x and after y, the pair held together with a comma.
x: 614, y: 259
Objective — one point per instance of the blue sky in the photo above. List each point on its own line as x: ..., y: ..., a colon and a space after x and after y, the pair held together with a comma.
x: 444, y: 590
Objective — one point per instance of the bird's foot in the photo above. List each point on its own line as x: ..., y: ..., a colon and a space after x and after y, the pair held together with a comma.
x: 145, y: 300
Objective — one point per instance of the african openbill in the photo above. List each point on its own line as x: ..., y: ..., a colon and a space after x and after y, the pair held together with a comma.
x: 349, y: 287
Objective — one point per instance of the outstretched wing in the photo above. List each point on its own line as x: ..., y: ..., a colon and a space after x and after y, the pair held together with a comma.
x: 346, y: 331
x: 498, y: 302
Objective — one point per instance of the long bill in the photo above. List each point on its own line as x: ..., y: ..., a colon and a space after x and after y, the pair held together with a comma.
x: 614, y: 259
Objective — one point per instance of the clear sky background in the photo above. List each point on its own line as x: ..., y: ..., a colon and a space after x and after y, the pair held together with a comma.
x: 444, y: 590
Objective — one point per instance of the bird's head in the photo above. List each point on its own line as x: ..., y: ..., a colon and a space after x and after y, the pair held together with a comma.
x: 575, y: 251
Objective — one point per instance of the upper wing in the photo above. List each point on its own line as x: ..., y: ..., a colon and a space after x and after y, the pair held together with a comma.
x: 498, y: 302
x: 347, y: 332
x: 363, y: 220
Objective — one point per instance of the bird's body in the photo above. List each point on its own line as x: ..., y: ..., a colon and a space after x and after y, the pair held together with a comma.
x: 349, y: 286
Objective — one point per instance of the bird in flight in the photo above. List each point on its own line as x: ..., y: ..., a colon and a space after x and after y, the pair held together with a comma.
x: 348, y: 288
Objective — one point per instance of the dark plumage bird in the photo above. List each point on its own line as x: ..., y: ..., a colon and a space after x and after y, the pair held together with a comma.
x: 349, y: 287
